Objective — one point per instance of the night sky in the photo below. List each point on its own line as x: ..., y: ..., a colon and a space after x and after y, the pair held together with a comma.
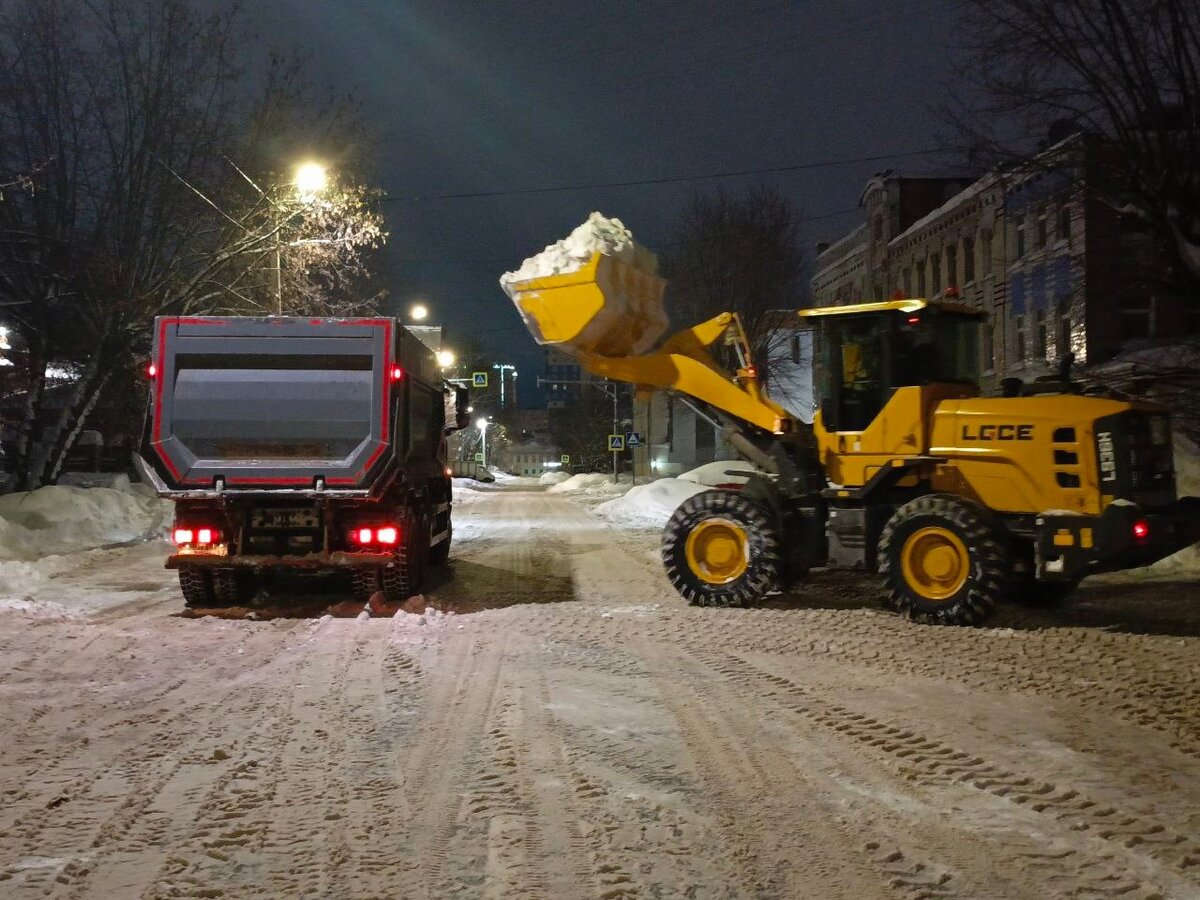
x: 503, y: 97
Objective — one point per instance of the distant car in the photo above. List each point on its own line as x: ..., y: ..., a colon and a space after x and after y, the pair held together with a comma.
x: 482, y: 474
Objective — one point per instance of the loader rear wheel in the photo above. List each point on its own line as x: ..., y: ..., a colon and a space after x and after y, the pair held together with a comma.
x: 942, y: 561
x: 721, y: 549
x: 197, y: 587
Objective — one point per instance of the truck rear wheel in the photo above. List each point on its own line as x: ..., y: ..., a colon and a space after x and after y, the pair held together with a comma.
x: 721, y: 549
x: 197, y: 587
x: 941, y: 561
x: 232, y: 586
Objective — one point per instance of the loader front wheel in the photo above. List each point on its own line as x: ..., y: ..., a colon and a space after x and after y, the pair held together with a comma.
x: 721, y: 549
x: 942, y: 561
x: 197, y: 587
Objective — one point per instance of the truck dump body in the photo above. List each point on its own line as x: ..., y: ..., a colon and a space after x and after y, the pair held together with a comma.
x: 284, y: 402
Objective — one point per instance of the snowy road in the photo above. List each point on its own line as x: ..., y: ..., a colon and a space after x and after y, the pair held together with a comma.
x: 574, y: 730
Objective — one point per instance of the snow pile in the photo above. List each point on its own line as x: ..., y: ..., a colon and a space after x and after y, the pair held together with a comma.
x: 589, y: 481
x: 713, y: 473
x: 58, y: 519
x: 649, y: 505
x: 552, y: 478
x: 598, y: 233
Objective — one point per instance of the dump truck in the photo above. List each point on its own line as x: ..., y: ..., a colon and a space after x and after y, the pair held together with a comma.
x: 956, y: 501
x: 304, y: 444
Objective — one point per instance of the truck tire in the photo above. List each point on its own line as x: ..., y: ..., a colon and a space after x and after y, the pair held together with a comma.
x: 232, y: 586
x: 439, y: 553
x: 721, y: 549
x: 403, y: 579
x: 364, y: 581
x: 197, y: 587
x: 942, y: 561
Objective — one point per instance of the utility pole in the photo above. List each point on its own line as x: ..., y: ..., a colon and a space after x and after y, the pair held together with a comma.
x: 503, y: 367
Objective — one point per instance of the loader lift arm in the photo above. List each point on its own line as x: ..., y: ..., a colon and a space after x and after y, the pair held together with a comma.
x: 684, y: 364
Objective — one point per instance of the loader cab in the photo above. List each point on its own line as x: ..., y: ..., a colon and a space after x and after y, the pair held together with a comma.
x: 863, y: 353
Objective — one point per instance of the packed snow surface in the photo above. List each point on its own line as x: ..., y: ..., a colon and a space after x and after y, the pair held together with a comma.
x: 557, y: 477
x: 649, y: 505
x: 597, y: 234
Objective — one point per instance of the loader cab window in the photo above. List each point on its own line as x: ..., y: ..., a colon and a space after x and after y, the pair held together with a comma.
x: 935, y: 347
x: 851, y: 371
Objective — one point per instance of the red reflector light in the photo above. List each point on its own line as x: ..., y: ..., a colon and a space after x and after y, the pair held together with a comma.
x: 204, y: 536
x: 1141, y: 529
x: 182, y: 536
x: 397, y: 373
x: 914, y: 320
x: 151, y: 370
x: 751, y: 372
x: 364, y: 535
x: 389, y: 534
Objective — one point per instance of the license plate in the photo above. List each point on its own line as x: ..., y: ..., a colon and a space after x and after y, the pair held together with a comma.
x: 284, y: 518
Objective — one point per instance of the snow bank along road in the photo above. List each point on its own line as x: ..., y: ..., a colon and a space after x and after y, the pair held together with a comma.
x: 575, y: 730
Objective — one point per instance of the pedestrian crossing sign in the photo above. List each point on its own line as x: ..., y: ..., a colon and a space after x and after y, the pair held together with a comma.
x: 633, y: 439
x: 566, y: 459
x: 479, y: 379
x: 616, y: 442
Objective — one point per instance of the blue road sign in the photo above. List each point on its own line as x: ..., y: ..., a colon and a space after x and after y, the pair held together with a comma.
x: 633, y: 439
x: 616, y: 442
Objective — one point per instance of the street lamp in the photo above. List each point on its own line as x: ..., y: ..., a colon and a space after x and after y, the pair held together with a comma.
x: 502, y: 367
x: 419, y: 312
x: 309, y: 180
x: 445, y: 358
x: 482, y: 424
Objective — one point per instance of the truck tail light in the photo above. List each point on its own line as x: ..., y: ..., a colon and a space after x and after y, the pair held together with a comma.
x: 397, y: 373
x: 196, y: 535
x: 1141, y: 530
x: 375, y: 535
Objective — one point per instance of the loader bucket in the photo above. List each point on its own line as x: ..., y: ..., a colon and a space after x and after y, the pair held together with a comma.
x: 607, y: 308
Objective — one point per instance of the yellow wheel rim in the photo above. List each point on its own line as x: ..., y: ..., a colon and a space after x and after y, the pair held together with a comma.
x: 935, y: 563
x: 718, y: 551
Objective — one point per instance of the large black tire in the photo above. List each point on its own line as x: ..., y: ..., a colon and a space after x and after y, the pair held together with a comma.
x: 722, y: 549
x: 197, y: 587
x: 403, y: 579
x: 943, y: 561
x: 439, y: 553
x: 364, y: 582
x: 232, y: 586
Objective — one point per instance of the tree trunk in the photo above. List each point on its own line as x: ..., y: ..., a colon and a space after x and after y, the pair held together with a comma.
x: 29, y: 432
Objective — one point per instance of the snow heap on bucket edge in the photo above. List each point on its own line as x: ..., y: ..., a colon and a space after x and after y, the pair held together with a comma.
x: 598, y: 233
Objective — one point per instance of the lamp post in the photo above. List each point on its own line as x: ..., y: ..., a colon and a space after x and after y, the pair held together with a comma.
x: 418, y: 312
x: 482, y: 425
x: 445, y: 358
x: 502, y: 367
x: 310, y: 179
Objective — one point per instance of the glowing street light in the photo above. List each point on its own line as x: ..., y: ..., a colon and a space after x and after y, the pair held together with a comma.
x: 311, y: 178
x: 445, y: 358
x: 419, y: 313
x: 482, y: 424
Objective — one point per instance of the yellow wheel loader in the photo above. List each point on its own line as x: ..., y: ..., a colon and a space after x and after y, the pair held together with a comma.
x: 956, y: 501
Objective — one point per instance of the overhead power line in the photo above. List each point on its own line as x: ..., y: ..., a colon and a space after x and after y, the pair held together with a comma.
x: 671, y: 179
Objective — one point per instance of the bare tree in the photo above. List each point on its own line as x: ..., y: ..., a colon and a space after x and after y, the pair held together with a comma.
x: 124, y: 120
x: 738, y: 254
x: 1126, y: 69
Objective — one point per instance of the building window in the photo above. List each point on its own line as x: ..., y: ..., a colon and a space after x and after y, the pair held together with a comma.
x: 1021, y: 338
x: 920, y: 279
x: 1064, y: 223
x: 985, y: 250
x: 952, y: 265
x: 1136, y: 319
x: 877, y: 228
x: 968, y: 260
x: 906, y: 282
x: 1041, y: 231
x: 989, y: 348
x: 935, y: 273
x: 1020, y: 223
x: 1039, y: 347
